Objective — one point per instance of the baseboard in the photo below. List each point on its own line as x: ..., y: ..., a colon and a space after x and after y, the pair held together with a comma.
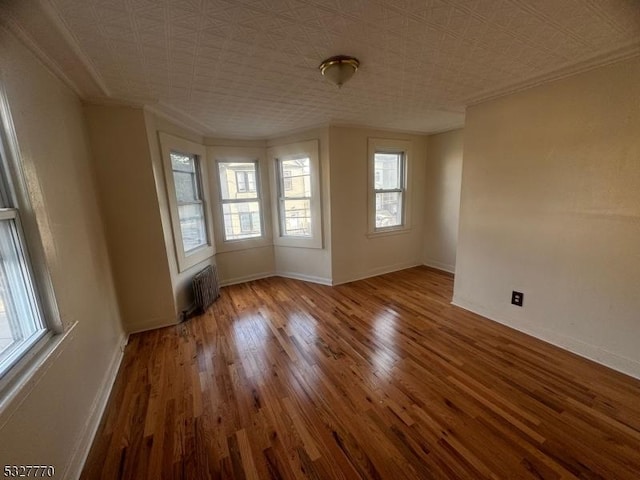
x: 246, y: 278
x: 377, y: 271
x: 304, y: 278
x: 151, y: 325
x: 440, y: 266
x: 594, y: 353
x: 84, y: 443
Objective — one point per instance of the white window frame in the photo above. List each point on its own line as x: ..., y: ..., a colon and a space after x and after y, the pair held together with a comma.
x: 277, y: 153
x: 23, y: 368
x: 170, y: 143
x: 231, y: 154
x: 384, y: 145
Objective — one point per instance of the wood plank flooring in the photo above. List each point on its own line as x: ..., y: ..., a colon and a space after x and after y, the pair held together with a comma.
x: 380, y: 378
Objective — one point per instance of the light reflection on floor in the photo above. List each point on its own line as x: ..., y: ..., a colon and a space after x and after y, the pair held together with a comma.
x: 384, y: 354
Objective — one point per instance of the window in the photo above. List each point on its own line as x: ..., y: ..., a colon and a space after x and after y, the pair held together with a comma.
x: 295, y: 201
x: 22, y: 322
x: 296, y: 197
x: 188, y: 199
x: 240, y: 199
x: 388, y: 185
x: 186, y: 176
x: 389, y: 189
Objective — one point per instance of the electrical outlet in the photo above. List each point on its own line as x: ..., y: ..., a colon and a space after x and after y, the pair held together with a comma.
x: 517, y: 298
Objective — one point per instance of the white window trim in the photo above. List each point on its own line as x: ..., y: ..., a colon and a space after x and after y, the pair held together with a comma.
x: 169, y: 143
x: 378, y: 145
x: 33, y: 361
x: 295, y: 150
x: 216, y: 154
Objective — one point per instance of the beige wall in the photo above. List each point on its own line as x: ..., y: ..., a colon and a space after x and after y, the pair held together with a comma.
x: 442, y: 199
x: 131, y: 212
x: 551, y: 207
x: 356, y: 255
x: 53, y: 420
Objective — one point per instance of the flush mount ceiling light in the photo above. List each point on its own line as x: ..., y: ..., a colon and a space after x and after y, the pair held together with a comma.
x: 339, y: 69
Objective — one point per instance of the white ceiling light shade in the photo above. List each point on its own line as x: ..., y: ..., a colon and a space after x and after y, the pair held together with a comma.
x: 339, y: 69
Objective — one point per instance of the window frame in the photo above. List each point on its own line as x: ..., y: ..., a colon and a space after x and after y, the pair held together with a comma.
x: 168, y: 144
x: 277, y: 153
x: 232, y: 201
x: 392, y: 146
x: 237, y: 154
x: 282, y: 195
x: 16, y: 202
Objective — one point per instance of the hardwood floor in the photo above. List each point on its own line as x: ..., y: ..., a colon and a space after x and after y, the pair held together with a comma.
x: 380, y: 378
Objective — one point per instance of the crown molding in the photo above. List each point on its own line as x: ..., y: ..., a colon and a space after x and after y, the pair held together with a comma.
x: 594, y: 62
x: 446, y: 128
x: 39, y: 27
x: 179, y: 118
x: 53, y: 15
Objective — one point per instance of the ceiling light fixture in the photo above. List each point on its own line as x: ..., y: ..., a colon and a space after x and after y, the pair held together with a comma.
x: 339, y: 69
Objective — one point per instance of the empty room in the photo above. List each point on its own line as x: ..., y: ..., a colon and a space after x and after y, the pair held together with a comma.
x: 320, y: 239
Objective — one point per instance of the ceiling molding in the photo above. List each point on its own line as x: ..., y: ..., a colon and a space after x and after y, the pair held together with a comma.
x: 53, y: 15
x: 597, y: 61
x: 446, y: 128
x: 114, y: 102
x: 13, y: 27
x: 179, y: 118
x: 41, y: 30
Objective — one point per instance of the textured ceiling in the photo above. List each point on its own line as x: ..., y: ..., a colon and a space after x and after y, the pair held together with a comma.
x: 249, y: 67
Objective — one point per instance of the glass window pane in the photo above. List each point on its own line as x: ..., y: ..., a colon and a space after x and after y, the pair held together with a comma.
x: 297, y: 218
x: 192, y: 226
x: 237, y: 180
x: 296, y: 176
x: 241, y: 220
x: 183, y: 163
x: 20, y: 321
x: 388, y: 171
x: 186, y: 186
x: 388, y: 209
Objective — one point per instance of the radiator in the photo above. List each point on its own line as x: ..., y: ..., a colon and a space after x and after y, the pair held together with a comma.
x: 206, y: 287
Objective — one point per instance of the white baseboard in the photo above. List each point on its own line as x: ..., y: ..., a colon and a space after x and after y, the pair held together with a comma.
x: 246, y: 278
x: 597, y: 354
x: 293, y: 275
x: 305, y: 278
x: 151, y: 325
x: 377, y: 271
x: 440, y: 266
x: 84, y: 443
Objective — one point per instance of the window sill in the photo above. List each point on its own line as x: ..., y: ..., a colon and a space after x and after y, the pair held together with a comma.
x: 26, y: 374
x: 389, y: 232
x: 194, y: 257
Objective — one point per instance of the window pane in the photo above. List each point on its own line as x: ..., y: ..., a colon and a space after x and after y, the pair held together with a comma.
x: 388, y: 171
x: 192, y: 226
x: 388, y: 209
x: 20, y: 321
x: 296, y: 176
x: 183, y: 163
x: 186, y: 186
x: 297, y: 218
x: 241, y: 220
x: 237, y: 180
